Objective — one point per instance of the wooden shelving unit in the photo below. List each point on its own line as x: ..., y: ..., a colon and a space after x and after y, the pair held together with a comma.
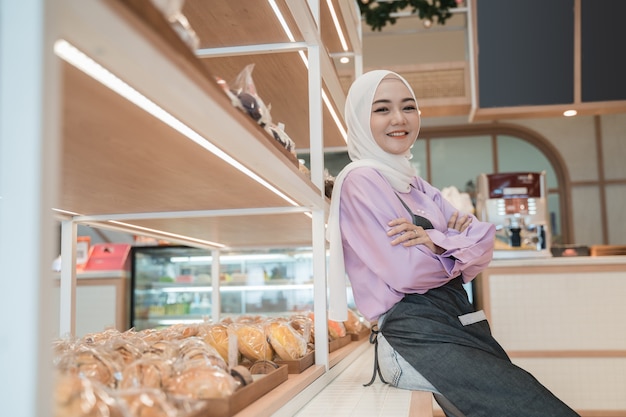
x: 126, y: 169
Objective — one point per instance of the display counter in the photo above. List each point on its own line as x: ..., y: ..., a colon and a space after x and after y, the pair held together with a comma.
x: 562, y: 319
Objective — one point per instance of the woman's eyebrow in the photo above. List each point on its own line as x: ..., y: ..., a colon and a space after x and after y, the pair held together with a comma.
x: 383, y: 100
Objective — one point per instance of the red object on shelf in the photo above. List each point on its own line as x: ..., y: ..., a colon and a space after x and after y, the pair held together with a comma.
x: 108, y: 257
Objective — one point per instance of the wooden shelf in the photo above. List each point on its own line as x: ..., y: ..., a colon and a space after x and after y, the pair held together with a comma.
x: 120, y: 163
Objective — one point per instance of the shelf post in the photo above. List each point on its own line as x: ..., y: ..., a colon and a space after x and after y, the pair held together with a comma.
x: 67, y: 300
x: 317, y: 177
x: 216, y: 305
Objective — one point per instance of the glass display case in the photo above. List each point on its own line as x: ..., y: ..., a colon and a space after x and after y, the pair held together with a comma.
x: 173, y: 284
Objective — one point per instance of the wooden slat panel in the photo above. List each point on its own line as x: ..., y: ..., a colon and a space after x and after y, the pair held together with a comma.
x: 281, y: 79
x: 119, y: 159
x: 236, y: 23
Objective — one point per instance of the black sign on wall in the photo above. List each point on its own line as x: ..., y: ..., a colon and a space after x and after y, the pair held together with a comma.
x: 525, y: 52
x: 603, y: 44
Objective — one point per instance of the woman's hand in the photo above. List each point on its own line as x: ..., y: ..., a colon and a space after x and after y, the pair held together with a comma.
x: 411, y: 235
x: 459, y: 223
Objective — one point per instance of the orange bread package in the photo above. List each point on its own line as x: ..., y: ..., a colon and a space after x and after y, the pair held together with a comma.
x: 336, y: 329
x: 216, y: 335
x: 286, y: 341
x: 353, y: 325
x: 252, y: 342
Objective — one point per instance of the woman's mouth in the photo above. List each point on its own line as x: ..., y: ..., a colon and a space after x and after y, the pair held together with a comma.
x: 398, y: 134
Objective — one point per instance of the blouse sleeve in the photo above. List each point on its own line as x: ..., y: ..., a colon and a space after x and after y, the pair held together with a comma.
x: 467, y: 252
x: 368, y: 203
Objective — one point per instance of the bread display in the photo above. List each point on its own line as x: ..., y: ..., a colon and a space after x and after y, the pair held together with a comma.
x: 173, y: 371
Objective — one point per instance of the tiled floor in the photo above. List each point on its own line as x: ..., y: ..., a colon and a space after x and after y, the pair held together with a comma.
x: 346, y: 396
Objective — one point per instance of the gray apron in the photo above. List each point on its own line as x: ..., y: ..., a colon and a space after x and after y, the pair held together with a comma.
x: 464, y: 362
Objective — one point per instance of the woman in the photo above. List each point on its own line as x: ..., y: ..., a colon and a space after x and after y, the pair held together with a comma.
x: 407, y: 253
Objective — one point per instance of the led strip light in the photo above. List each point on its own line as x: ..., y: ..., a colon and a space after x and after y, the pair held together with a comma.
x: 73, y: 56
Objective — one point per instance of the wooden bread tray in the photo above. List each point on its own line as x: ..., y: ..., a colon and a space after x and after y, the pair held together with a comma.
x: 333, y: 345
x: 243, y: 397
x: 299, y: 365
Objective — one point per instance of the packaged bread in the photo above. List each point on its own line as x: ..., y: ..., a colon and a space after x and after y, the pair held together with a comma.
x: 286, y: 342
x: 200, y: 380
x: 149, y: 372
x: 166, y: 349
x: 353, y: 325
x: 216, y: 335
x: 77, y: 396
x: 194, y: 348
x: 143, y: 402
x: 93, y: 363
x: 252, y: 341
x: 303, y: 325
x: 336, y: 329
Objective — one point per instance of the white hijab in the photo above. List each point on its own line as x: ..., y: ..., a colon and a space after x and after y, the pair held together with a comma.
x: 363, y: 151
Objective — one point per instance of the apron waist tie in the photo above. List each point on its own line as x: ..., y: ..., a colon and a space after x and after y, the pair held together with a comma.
x: 374, y: 341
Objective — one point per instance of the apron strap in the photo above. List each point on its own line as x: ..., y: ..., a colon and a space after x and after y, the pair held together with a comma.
x: 374, y: 341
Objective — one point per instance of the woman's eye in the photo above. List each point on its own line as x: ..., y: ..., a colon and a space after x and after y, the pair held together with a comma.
x: 381, y: 110
x: 410, y: 108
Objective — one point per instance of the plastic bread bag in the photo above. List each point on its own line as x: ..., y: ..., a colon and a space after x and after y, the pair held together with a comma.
x: 248, y: 100
x: 336, y: 329
x: 285, y: 340
x: 196, y: 348
x: 91, y: 362
x: 148, y: 372
x: 201, y: 380
x: 78, y: 396
x: 173, y: 12
x: 147, y: 402
x: 329, y: 183
x: 354, y: 325
x: 278, y: 133
x: 223, y: 339
x: 303, y: 325
x: 252, y: 341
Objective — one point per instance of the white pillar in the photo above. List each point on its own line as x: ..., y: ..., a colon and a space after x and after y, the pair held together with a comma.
x: 28, y: 185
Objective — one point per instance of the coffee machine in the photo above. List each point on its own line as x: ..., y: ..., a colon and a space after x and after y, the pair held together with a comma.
x: 517, y: 204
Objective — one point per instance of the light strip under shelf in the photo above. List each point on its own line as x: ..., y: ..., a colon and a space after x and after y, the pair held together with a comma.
x: 333, y: 14
x: 126, y: 227
x: 283, y: 24
x: 75, y: 57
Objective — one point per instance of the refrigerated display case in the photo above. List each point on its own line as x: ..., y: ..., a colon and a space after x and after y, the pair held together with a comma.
x: 174, y: 284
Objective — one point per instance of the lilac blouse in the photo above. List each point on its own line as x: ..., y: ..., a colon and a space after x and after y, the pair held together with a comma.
x: 380, y: 274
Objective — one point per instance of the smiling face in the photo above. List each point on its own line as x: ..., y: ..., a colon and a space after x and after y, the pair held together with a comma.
x: 395, y: 119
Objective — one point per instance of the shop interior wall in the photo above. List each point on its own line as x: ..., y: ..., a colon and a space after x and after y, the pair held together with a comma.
x: 592, y: 147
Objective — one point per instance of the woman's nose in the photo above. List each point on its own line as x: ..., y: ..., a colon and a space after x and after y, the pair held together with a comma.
x: 397, y: 117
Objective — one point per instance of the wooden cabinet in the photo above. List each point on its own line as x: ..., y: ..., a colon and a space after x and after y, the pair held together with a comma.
x: 562, y: 320
x: 102, y: 301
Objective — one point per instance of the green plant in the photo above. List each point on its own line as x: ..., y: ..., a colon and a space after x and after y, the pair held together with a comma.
x: 379, y: 13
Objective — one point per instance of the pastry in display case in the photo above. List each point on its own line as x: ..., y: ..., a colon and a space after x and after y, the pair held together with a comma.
x: 174, y: 284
